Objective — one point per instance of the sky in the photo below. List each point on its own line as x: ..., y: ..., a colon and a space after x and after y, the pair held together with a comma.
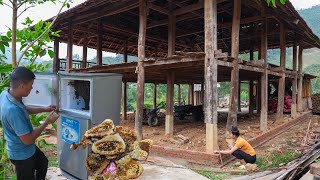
x: 49, y: 10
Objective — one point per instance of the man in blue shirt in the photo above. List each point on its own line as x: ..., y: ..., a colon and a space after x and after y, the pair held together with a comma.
x: 30, y: 163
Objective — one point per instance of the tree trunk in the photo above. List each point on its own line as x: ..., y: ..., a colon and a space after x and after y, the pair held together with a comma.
x: 14, y: 35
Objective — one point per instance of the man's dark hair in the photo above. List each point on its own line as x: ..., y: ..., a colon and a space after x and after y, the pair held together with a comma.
x: 235, y: 131
x: 20, y: 75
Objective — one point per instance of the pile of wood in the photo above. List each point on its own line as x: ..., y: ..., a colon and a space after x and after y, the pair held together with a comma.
x: 293, y: 169
x: 181, y: 139
x: 316, y: 103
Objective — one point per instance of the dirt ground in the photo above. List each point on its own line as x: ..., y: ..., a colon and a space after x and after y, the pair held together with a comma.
x: 294, y: 138
x: 195, y: 131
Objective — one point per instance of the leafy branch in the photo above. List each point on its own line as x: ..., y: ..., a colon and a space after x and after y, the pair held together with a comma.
x: 43, y: 33
x: 274, y: 2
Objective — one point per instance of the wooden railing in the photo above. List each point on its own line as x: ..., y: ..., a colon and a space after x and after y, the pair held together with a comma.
x: 76, y: 64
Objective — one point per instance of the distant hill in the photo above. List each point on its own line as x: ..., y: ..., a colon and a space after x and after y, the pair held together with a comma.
x: 311, y: 16
x: 311, y: 56
x: 9, y: 57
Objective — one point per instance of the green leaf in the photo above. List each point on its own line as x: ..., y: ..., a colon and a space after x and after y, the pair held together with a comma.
x: 274, y: 3
x: 51, y: 53
x: 282, y: 1
x: 2, y: 48
x: 23, y: 46
x: 5, y: 68
x: 54, y: 126
x: 43, y: 53
x: 268, y: 2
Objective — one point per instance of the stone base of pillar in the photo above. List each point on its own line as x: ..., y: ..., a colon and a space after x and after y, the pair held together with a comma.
x: 211, y: 137
x: 169, y: 125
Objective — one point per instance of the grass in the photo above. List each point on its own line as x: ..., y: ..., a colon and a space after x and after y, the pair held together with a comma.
x: 276, y: 159
x: 210, y: 175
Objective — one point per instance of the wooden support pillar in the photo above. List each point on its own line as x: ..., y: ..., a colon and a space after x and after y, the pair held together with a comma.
x: 192, y: 94
x: 84, y: 53
x: 202, y: 93
x: 69, y: 48
x: 233, y: 108
x: 189, y: 94
x: 154, y: 95
x: 171, y: 31
x: 140, y: 68
x: 124, y: 100
x: 300, y: 80
x: 239, y: 96
x: 250, y: 87
x: 124, y: 88
x: 125, y: 51
x: 264, y: 75
x: 281, y: 89
x: 250, y: 84
x: 294, y: 81
x: 210, y: 75
x: 258, y: 96
x: 99, y: 43
x: 179, y: 94
x: 169, y: 109
x: 56, y: 59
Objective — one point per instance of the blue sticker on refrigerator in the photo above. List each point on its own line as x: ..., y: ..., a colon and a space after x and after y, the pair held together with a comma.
x: 70, y: 130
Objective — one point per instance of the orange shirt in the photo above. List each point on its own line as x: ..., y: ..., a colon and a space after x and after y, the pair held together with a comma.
x: 244, y: 146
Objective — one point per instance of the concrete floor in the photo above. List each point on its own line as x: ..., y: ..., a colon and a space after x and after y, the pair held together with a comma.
x: 156, y: 168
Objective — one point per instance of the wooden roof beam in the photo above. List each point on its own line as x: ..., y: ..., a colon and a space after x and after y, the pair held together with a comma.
x: 193, y: 7
x: 107, y: 11
x: 158, y: 9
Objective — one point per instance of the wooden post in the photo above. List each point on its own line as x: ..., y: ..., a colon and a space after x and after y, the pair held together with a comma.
x: 294, y: 81
x: 251, y: 87
x: 281, y: 89
x: 69, y: 48
x: 210, y: 75
x: 239, y: 96
x: 258, y: 100
x: 99, y: 43
x: 56, y: 60
x: 140, y: 67
x: 154, y: 95
x: 300, y: 80
x: 169, y: 109
x: 124, y: 88
x: 192, y: 94
x: 202, y: 93
x: 189, y: 94
x: 125, y: 51
x: 233, y: 108
x: 264, y: 75
x: 171, y: 31
x: 179, y: 94
x: 84, y: 53
x: 124, y: 100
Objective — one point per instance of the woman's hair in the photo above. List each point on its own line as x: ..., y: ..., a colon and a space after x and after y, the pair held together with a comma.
x: 235, y: 131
